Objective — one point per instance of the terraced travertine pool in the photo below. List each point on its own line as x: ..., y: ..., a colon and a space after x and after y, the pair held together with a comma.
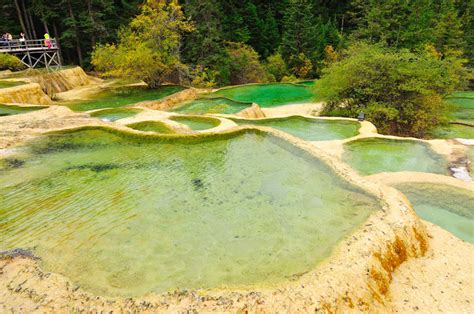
x: 454, y: 131
x: 122, y: 96
x: 211, y: 105
x: 8, y: 110
x: 197, y: 123
x: 128, y: 215
x: 115, y: 114
x: 307, y: 128
x: 449, y: 207
x: 268, y: 95
x: 152, y: 126
x: 375, y: 155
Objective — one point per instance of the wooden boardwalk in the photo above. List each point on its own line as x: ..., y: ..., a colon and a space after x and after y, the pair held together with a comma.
x: 34, y: 53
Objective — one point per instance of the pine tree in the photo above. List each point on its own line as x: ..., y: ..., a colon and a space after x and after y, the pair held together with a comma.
x: 448, y: 32
x: 298, y: 37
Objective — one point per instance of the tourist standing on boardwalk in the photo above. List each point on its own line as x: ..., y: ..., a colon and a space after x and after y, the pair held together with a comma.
x: 22, y: 39
x: 47, y: 41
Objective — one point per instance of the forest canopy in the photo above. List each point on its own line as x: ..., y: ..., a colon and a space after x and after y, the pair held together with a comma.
x: 300, y: 31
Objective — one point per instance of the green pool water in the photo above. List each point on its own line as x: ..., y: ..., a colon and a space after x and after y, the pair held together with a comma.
x: 454, y: 131
x: 309, y: 129
x: 463, y: 94
x: 120, y: 97
x: 448, y: 207
x: 6, y: 84
x: 115, y: 114
x: 212, y: 105
x: 7, y: 110
x: 373, y: 155
x: 125, y: 216
x: 197, y: 123
x: 151, y: 126
x: 268, y: 95
x: 463, y: 109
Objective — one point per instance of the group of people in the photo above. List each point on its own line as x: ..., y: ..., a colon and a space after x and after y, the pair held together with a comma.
x: 7, y: 38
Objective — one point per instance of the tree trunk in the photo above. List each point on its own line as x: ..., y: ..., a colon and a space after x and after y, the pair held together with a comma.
x: 91, y: 16
x: 46, y: 29
x: 78, y: 43
x: 28, y: 33
x: 56, y: 35
x: 20, y: 17
x: 32, y: 24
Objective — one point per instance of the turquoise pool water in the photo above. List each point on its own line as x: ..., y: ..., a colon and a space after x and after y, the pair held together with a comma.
x: 123, y: 96
x: 126, y: 215
x: 212, y: 105
x: 309, y: 129
x: 448, y: 207
x: 374, y: 155
x: 268, y: 95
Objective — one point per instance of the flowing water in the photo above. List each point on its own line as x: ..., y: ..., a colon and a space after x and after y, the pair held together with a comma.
x: 7, y: 110
x: 212, y: 105
x: 127, y: 215
x: 309, y: 129
x: 115, y: 114
x: 152, y: 126
x: 197, y: 123
x: 450, y: 208
x: 269, y: 95
x: 373, y: 155
x: 120, y: 97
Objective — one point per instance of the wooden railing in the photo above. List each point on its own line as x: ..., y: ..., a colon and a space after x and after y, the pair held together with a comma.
x: 27, y: 45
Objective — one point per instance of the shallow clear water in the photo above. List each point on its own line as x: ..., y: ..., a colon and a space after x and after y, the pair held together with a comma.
x: 122, y: 215
x: 7, y: 110
x: 309, y: 129
x: 450, y: 208
x: 369, y: 156
x: 151, y: 126
x: 269, y: 95
x: 115, y: 114
x: 124, y: 96
x: 197, y: 123
x: 212, y: 105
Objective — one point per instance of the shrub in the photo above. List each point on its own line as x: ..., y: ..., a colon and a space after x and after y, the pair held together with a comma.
x: 244, y: 64
x: 9, y: 62
x: 276, y: 66
x: 401, y: 92
x: 148, y: 49
x: 302, y: 66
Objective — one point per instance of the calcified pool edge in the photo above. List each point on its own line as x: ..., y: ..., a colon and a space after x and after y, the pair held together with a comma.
x: 355, y: 276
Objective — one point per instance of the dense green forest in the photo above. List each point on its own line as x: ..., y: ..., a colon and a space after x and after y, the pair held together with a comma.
x: 297, y: 31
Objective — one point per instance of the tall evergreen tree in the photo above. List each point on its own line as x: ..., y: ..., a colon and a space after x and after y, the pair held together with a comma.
x: 299, y: 36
